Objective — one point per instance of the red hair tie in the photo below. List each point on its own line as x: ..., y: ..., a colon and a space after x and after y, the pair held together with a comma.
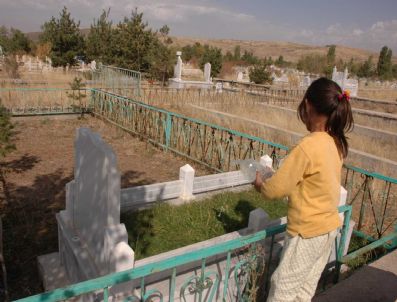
x: 345, y: 94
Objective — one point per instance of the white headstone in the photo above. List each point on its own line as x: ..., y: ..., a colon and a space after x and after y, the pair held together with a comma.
x: 93, y: 65
x: 240, y: 76
x: 219, y: 87
x: 89, y: 228
x: 178, y: 66
x: 207, y: 72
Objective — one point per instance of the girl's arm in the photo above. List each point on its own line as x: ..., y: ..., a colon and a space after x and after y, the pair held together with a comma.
x: 287, y: 177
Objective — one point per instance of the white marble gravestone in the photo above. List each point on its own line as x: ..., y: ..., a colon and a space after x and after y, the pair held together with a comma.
x: 207, y: 72
x: 178, y: 66
x: 240, y: 76
x: 92, y: 242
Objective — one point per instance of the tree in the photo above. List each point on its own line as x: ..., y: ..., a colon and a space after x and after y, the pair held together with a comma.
x: 14, y: 40
x: 6, y: 132
x: 76, y: 86
x: 99, y: 42
x: 366, y: 70
x: 66, y: 40
x: 212, y: 55
x: 237, y: 53
x: 394, y: 71
x: 331, y: 55
x: 249, y: 57
x: 280, y: 61
x: 19, y: 42
x: 135, y: 42
x: 312, y: 63
x: 259, y: 75
x: 384, y: 67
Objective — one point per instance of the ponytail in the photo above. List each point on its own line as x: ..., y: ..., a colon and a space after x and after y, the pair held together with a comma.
x: 327, y: 99
x: 340, y: 121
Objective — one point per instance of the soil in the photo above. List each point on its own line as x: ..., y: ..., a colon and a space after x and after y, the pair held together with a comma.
x: 33, y: 178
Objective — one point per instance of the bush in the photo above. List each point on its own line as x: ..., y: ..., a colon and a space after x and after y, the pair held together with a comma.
x: 259, y: 75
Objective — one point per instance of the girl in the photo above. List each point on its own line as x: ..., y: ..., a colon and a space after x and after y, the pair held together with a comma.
x: 310, y: 176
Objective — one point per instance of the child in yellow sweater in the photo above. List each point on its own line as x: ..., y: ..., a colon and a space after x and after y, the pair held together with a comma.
x: 310, y: 176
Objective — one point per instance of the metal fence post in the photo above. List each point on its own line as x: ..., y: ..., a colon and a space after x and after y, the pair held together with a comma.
x: 168, y: 126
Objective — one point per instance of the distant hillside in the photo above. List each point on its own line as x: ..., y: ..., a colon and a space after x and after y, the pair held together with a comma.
x: 290, y: 51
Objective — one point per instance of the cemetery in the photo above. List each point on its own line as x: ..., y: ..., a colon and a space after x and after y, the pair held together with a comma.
x: 131, y: 182
x: 134, y: 227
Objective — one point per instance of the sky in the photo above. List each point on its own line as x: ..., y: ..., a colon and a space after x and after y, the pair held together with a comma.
x: 367, y: 24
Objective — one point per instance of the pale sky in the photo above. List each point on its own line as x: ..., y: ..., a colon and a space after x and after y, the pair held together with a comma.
x: 366, y: 24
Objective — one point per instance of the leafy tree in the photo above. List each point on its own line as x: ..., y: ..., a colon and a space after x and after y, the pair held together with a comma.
x: 99, y: 43
x: 228, y: 56
x: 212, y: 55
x: 366, y: 70
x: 280, y: 61
x: 249, y: 57
x: 384, y: 67
x: 76, y: 86
x: 331, y: 56
x: 259, y: 75
x: 187, y: 53
x: 65, y: 38
x: 135, y: 43
x: 6, y: 132
x: 4, y: 39
x: 14, y: 40
x: 394, y: 71
x: 237, y: 53
x: 19, y: 41
x: 162, y: 61
x: 312, y: 63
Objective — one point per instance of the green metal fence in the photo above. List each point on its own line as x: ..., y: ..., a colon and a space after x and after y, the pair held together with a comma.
x: 374, y: 196
x: 204, y: 284
x: 43, y: 101
x: 117, y: 80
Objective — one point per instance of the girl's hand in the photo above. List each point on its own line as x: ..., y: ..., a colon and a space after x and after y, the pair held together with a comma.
x: 258, y: 181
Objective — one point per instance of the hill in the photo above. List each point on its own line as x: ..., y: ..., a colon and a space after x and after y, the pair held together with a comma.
x: 290, y: 51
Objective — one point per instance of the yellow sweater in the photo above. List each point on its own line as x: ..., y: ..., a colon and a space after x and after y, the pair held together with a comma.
x: 310, y: 176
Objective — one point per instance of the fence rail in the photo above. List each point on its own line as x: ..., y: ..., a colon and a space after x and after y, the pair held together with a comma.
x: 373, y: 196
x: 206, y: 284
x: 43, y: 101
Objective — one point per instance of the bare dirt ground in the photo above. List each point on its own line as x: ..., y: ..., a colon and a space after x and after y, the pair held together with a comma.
x: 33, y: 179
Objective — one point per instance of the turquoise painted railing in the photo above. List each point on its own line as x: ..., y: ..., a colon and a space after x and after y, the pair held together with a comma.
x: 372, y: 194
x: 43, y: 101
x: 205, y: 285
x: 117, y: 80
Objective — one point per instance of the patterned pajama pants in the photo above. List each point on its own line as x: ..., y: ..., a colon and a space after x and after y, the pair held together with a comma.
x: 302, y: 262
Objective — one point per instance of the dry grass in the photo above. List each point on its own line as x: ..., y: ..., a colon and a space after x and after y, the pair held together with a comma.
x: 385, y: 94
x: 243, y: 112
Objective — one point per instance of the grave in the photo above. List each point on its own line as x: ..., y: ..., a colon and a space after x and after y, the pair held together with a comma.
x: 92, y: 242
x: 346, y: 84
x: 179, y: 83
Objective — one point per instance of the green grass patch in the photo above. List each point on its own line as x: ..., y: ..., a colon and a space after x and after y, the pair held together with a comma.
x: 166, y: 227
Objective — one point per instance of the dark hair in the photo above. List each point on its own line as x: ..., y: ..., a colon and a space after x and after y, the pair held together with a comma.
x: 326, y: 97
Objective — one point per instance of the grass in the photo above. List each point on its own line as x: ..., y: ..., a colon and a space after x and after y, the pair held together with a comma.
x: 166, y: 227
x: 357, y: 243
